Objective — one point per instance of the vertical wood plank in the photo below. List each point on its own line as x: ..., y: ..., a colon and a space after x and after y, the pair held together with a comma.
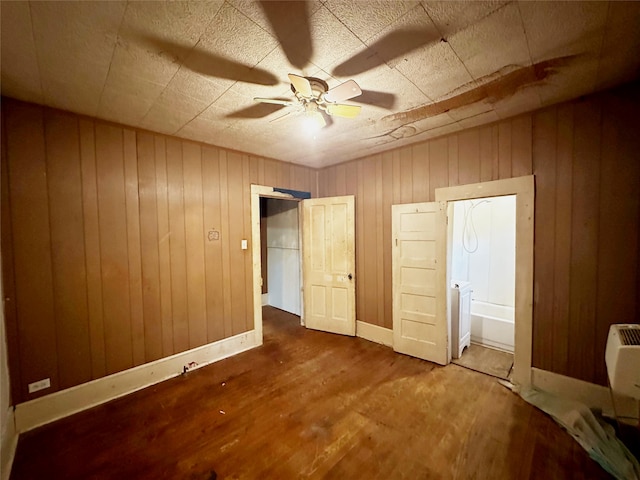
x: 562, y: 243
x: 521, y: 159
x: 261, y: 178
x: 92, y: 247
x: 406, y: 175
x: 387, y: 200
x: 369, y: 277
x: 340, y: 180
x: 330, y: 186
x: 213, y: 248
x: 469, y: 156
x: 396, y: 178
x: 544, y: 151
x: 420, y: 156
x: 438, y: 165
x: 147, y: 191
x: 246, y: 234
x: 284, y: 174
x: 254, y: 176
x: 486, y: 153
x: 226, y: 238
x: 8, y: 270
x: 453, y: 160
x: 270, y: 173
x: 361, y: 308
x: 32, y: 246
x: 380, y: 234
x: 495, y: 140
x: 236, y: 276
x: 504, y: 149
x: 164, y: 245
x: 351, y: 184
x: 113, y: 248
x: 617, y: 242
x: 64, y: 183
x: 177, y: 245
x: 133, y: 246
x: 584, y: 240
x: 194, y: 243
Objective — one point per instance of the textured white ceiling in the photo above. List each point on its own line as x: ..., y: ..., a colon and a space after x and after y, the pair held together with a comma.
x: 192, y: 69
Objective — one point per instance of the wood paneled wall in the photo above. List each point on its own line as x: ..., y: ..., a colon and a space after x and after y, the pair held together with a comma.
x: 106, y: 263
x: 106, y: 259
x: 411, y: 174
x: 587, y: 271
x: 585, y: 158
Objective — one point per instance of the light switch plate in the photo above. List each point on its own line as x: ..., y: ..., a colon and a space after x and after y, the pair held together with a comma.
x: 244, y: 244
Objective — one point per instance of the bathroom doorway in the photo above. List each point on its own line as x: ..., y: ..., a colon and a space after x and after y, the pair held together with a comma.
x: 482, y: 244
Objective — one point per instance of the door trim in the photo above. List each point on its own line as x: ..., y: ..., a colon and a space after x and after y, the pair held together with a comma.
x: 524, y: 190
x: 258, y: 191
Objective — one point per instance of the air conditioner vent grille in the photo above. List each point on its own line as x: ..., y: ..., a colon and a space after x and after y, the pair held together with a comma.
x: 630, y: 336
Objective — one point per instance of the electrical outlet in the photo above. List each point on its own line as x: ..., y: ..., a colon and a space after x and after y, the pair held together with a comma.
x: 39, y: 385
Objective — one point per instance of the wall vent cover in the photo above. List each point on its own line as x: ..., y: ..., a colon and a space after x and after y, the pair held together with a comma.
x: 622, y: 356
x: 630, y: 336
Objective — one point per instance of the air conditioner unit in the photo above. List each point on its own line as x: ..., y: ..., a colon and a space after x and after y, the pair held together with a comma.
x: 622, y: 357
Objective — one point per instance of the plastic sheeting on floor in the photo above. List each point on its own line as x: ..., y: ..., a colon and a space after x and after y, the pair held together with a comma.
x: 596, y: 436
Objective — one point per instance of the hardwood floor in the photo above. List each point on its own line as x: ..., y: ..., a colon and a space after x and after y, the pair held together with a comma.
x: 309, y: 404
x: 486, y: 360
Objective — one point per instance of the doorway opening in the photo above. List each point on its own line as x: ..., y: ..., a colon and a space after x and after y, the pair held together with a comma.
x: 327, y: 227
x: 259, y: 194
x: 280, y: 254
x: 524, y: 191
x: 482, y: 242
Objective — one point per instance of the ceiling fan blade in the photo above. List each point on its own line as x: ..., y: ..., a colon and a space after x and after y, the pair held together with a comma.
x: 301, y: 84
x: 290, y: 23
x: 384, y: 50
x: 256, y: 111
x: 347, y: 111
x: 203, y: 62
x: 378, y: 99
x: 276, y: 101
x: 342, y: 92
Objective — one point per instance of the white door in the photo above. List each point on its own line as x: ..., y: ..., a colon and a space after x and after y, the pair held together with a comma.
x: 328, y: 264
x: 418, y: 270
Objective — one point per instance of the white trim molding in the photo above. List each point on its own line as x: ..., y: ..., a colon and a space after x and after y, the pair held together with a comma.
x: 34, y: 413
x: 524, y: 190
x: 258, y: 191
x: 8, y: 445
x: 374, y: 333
x: 592, y: 395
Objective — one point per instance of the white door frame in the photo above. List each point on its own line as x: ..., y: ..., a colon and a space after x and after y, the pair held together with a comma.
x: 258, y: 191
x: 524, y: 190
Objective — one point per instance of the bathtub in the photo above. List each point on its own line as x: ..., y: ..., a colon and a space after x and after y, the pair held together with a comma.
x: 492, y: 325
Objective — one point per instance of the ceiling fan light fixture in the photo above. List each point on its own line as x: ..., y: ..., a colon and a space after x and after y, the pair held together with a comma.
x: 313, y: 121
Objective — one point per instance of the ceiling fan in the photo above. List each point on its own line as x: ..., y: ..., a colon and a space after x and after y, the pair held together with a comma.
x: 291, y: 25
x: 313, y: 97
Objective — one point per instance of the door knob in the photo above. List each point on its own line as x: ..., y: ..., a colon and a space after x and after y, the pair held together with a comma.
x: 350, y: 276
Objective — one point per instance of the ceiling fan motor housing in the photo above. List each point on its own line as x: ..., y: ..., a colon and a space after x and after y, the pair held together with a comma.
x: 316, y: 100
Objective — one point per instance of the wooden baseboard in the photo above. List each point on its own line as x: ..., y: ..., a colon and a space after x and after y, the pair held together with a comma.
x: 8, y: 445
x: 592, y: 395
x: 374, y: 333
x: 31, y: 414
